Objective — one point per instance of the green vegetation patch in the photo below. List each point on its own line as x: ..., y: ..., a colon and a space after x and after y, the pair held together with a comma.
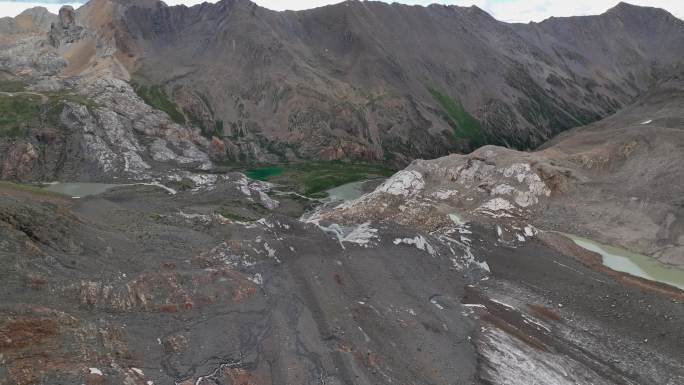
x: 62, y: 97
x: 18, y: 114
x: 313, y: 178
x: 57, y: 101
x: 30, y: 189
x: 264, y: 173
x: 214, y: 130
x: 232, y: 215
x: 156, y: 97
x: 218, y: 128
x: 12, y: 86
x: 465, y: 126
x: 21, y: 112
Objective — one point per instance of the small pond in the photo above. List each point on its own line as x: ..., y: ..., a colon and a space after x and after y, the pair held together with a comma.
x: 264, y: 173
x: 79, y: 190
x: 632, y: 263
x: 347, y: 192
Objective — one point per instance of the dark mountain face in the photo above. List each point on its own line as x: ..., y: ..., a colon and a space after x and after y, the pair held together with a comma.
x: 373, y: 81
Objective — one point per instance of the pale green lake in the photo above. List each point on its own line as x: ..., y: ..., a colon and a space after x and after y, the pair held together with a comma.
x: 346, y: 192
x: 79, y: 190
x: 632, y: 263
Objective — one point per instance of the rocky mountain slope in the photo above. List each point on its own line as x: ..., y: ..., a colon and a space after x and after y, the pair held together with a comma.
x: 374, y: 81
x: 144, y: 285
x: 358, y: 80
x: 57, y: 125
x: 619, y: 180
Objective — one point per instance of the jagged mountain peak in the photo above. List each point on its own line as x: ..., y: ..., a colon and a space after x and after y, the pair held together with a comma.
x: 36, y: 19
x: 628, y: 7
x: 35, y: 12
x: 639, y: 13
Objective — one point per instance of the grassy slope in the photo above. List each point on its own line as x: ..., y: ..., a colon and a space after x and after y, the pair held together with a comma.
x: 465, y: 126
x: 12, y: 85
x: 25, y: 188
x: 22, y: 112
x: 156, y: 97
x: 18, y: 114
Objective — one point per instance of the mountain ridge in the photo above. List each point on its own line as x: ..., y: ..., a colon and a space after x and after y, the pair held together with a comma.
x: 365, y: 81
x: 336, y: 47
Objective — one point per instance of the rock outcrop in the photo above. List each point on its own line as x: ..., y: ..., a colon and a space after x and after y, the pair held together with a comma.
x: 618, y: 181
x: 65, y: 30
x: 33, y: 20
x: 92, y: 126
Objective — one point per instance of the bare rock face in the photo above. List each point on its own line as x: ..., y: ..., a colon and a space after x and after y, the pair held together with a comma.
x: 67, y: 17
x: 19, y: 161
x: 91, y: 127
x: 28, y: 53
x: 37, y: 19
x: 65, y: 30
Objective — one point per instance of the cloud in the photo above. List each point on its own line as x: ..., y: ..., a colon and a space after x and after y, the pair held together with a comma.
x: 538, y: 10
x: 13, y: 8
x: 506, y: 10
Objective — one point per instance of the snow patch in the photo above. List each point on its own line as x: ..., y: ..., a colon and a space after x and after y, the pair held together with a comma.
x: 138, y: 371
x: 518, y: 171
x: 502, y: 189
x: 161, y: 186
x: 507, y: 306
x: 419, y: 241
x: 271, y: 252
x: 243, y: 186
x: 437, y: 305
x: 257, y: 279
x: 444, y: 194
x: 457, y: 219
x: 497, y: 204
x: 267, y: 201
x: 361, y: 235
x: 507, y: 360
x: 465, y: 260
x: 405, y: 183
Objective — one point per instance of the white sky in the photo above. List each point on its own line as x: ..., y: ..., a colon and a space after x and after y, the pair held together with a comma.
x: 14, y: 8
x: 506, y: 10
